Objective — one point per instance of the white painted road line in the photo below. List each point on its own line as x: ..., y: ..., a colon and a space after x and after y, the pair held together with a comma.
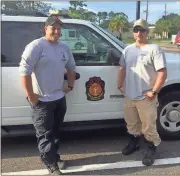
x: 93, y: 167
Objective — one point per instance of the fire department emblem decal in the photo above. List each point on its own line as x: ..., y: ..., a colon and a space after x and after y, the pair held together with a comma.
x: 95, y: 89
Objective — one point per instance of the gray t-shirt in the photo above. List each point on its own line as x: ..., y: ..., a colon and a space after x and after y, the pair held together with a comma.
x: 47, y: 62
x: 141, y: 66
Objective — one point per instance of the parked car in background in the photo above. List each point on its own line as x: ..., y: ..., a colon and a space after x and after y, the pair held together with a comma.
x: 173, y: 37
x: 74, y: 40
x: 177, y: 39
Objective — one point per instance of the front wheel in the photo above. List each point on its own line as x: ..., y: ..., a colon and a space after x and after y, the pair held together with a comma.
x: 168, y: 122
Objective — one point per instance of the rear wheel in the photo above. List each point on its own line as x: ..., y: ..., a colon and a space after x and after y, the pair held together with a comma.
x: 168, y: 122
x: 78, y: 46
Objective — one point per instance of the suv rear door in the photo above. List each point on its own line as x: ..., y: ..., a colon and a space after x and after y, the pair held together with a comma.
x: 15, y: 36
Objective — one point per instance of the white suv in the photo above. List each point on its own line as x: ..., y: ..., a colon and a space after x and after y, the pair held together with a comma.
x: 95, y: 100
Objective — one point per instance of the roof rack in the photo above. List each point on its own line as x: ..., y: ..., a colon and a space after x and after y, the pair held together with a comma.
x: 23, y: 13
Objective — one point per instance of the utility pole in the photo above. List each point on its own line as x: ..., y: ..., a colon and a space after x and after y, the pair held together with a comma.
x: 165, y: 11
x: 137, y: 10
x: 147, y: 11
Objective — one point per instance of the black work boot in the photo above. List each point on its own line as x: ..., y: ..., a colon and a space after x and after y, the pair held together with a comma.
x: 150, y: 154
x: 61, y: 164
x: 52, y: 168
x: 132, y: 146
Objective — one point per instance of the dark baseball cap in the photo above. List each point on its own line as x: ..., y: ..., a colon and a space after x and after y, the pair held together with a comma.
x: 53, y: 19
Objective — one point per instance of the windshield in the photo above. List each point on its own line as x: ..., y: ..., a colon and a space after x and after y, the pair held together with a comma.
x: 123, y: 45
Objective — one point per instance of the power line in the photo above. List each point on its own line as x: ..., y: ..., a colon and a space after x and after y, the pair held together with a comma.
x: 147, y: 10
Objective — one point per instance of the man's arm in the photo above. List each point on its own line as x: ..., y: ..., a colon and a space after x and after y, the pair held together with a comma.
x: 71, y: 75
x: 26, y: 83
x: 122, y: 72
x: 161, y: 78
x: 159, y: 62
x: 121, y: 76
x: 71, y: 71
x: 29, y: 59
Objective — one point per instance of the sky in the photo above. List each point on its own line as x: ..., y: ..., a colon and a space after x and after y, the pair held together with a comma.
x: 156, y: 9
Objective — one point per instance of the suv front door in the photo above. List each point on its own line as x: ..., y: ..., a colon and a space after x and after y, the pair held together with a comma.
x: 95, y: 95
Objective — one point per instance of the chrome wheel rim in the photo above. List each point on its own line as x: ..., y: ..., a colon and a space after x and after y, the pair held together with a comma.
x: 170, y: 117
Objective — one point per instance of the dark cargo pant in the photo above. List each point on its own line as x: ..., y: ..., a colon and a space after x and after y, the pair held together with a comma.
x: 47, y: 117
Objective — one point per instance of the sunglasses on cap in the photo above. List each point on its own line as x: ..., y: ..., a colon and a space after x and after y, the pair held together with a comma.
x: 141, y: 30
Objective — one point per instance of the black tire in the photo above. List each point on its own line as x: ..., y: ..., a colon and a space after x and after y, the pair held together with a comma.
x: 165, y: 134
x: 78, y: 46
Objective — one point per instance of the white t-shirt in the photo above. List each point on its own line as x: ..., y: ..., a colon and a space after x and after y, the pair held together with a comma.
x: 142, y: 64
x: 47, y: 62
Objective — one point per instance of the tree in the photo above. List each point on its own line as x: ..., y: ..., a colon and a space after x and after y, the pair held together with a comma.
x: 90, y: 16
x: 101, y: 17
x: 77, y: 9
x: 162, y: 26
x: 26, y: 5
x: 105, y: 24
x: 121, y: 13
x: 174, y: 20
x: 118, y: 24
x: 168, y: 24
x: 76, y: 14
x: 76, y: 4
x: 111, y: 14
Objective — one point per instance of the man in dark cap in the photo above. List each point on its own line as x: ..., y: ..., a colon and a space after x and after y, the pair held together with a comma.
x: 42, y: 75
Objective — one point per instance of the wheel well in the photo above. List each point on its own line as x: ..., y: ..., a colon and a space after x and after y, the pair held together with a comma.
x: 169, y: 88
x: 79, y: 43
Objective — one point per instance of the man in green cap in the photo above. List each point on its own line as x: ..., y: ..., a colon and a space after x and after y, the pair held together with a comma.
x: 141, y: 76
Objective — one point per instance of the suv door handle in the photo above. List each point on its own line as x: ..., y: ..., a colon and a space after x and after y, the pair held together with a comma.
x: 77, y: 76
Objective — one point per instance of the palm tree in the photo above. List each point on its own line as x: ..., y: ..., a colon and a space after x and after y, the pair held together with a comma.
x: 118, y: 23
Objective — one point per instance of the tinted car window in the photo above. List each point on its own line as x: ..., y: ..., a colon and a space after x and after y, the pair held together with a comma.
x: 88, y: 46
x: 15, y: 36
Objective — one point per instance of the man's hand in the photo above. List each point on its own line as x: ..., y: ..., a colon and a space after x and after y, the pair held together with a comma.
x: 67, y: 89
x: 33, y: 98
x: 149, y: 95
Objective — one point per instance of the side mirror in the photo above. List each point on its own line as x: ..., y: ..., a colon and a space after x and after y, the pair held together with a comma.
x: 113, y: 56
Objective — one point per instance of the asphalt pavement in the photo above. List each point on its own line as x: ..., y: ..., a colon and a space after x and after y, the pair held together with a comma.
x: 89, y: 153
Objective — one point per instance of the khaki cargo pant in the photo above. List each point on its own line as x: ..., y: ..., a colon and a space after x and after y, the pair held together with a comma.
x: 140, y: 116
